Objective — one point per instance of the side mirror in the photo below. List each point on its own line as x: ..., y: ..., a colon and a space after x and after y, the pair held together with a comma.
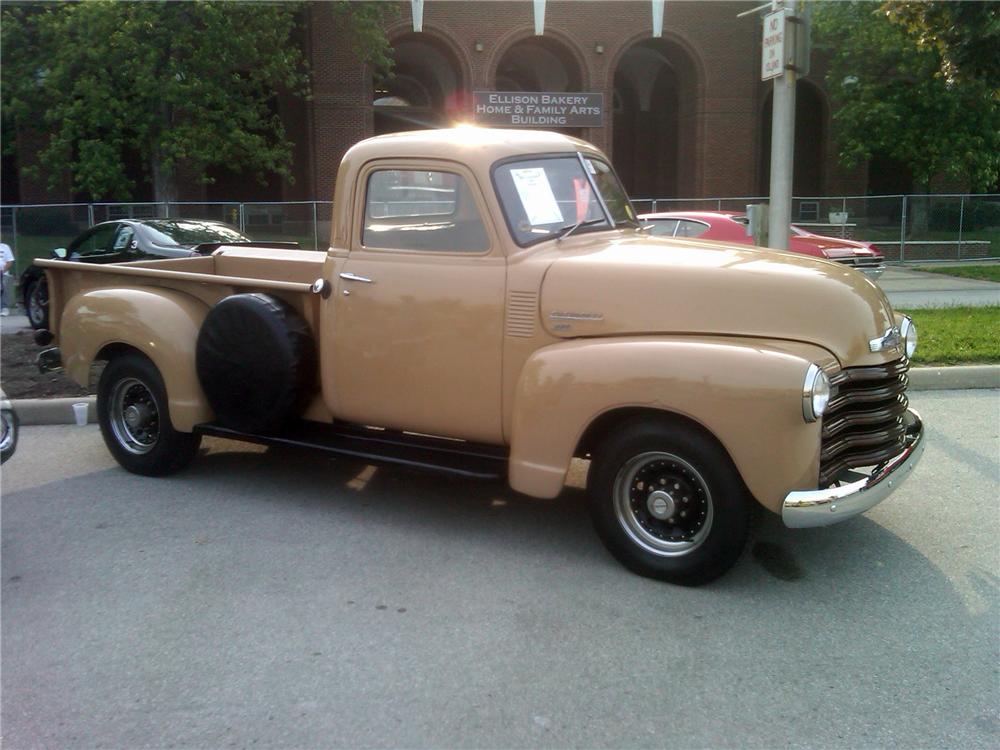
x: 60, y: 252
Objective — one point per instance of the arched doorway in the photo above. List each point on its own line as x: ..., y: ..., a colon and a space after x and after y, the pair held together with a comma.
x: 810, y: 142
x: 539, y: 63
x: 655, y: 97
x: 425, y: 90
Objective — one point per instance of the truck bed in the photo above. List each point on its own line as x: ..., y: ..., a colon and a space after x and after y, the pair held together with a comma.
x: 262, y: 268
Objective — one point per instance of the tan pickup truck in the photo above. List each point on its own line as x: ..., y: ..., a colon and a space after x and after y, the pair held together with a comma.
x: 490, y: 306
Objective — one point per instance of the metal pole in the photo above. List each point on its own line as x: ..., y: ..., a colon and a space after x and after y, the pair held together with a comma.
x: 243, y: 218
x: 90, y: 214
x: 902, y: 233
x: 961, y: 223
x: 13, y: 227
x: 782, y: 158
x: 315, y: 228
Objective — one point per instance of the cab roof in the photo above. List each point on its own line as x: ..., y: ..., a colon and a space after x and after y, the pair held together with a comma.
x: 467, y: 144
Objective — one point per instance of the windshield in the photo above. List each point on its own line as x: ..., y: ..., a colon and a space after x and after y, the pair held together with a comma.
x: 542, y: 197
x: 181, y: 232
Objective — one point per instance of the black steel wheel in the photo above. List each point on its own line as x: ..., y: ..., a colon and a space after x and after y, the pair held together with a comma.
x: 668, y: 503
x: 135, y: 421
x: 36, y: 303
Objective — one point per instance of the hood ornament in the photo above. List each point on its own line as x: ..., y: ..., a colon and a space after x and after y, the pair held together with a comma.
x: 888, y: 340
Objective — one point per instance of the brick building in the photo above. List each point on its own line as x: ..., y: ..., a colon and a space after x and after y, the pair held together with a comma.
x: 685, y: 113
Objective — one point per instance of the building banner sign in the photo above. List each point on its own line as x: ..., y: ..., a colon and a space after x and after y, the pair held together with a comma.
x: 538, y: 109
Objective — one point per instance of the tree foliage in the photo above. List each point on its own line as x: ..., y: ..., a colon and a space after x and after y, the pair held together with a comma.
x: 892, y: 97
x: 175, y: 85
x: 966, y: 35
x: 365, y: 22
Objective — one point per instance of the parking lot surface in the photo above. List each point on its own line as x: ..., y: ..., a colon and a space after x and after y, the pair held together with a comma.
x: 275, y: 599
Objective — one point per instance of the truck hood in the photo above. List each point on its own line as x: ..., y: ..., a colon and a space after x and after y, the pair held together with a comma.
x: 638, y: 285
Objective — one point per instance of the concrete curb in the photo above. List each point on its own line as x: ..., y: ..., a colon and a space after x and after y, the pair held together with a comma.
x: 33, y: 411
x: 52, y: 410
x: 958, y: 377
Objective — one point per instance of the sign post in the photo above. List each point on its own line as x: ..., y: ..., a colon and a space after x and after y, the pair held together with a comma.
x: 774, y: 65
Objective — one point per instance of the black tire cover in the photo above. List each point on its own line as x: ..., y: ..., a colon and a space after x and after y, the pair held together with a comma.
x: 256, y: 361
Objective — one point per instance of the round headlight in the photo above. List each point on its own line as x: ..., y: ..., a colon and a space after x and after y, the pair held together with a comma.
x: 908, y: 332
x: 815, y: 393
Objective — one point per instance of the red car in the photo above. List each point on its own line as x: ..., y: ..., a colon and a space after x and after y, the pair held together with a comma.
x: 728, y: 226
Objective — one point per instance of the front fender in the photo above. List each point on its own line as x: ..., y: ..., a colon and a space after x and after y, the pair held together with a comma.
x: 745, y: 392
x: 160, y: 323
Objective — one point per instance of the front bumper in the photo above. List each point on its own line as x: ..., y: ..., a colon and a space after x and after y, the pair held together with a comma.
x: 804, y: 509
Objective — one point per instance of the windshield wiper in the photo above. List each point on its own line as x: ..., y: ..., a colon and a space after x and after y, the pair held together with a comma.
x: 569, y: 229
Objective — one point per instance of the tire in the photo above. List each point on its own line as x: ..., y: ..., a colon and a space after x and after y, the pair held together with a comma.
x: 8, y: 438
x: 36, y: 303
x: 135, y: 421
x: 668, y: 503
x: 256, y: 362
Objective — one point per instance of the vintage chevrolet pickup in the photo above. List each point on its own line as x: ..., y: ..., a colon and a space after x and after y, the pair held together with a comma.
x: 490, y: 306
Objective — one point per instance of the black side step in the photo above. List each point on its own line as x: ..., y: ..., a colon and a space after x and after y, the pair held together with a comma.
x: 457, y: 457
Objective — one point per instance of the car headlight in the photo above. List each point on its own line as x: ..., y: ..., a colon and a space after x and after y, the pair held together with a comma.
x: 908, y: 332
x: 815, y: 393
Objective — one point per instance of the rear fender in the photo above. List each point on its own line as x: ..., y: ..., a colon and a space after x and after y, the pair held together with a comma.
x: 160, y: 323
x: 746, y: 392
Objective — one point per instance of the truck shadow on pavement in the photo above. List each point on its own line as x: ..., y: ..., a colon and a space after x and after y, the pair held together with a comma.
x: 859, y: 555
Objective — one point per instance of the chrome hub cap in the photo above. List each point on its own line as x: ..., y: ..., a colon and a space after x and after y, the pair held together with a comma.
x: 660, y: 505
x: 135, y: 417
x: 663, y: 503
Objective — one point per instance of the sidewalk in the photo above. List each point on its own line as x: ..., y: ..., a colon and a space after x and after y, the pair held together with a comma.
x: 908, y: 288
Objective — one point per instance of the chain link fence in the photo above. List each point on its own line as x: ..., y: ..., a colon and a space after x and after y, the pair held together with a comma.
x: 923, y: 228
x: 906, y: 228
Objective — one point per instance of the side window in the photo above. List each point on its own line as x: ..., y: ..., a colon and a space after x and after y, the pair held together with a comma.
x: 97, y: 242
x: 123, y: 239
x: 422, y: 210
x: 690, y: 228
x: 663, y: 227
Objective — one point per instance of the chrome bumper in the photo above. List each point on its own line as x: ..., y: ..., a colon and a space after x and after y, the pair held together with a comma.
x: 835, y: 504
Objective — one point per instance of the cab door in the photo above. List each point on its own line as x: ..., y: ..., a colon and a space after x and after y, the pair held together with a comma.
x: 418, y: 316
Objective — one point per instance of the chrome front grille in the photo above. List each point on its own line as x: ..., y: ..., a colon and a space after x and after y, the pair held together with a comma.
x: 863, y: 424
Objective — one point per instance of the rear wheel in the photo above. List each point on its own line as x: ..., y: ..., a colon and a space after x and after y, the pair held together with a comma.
x: 135, y: 422
x: 36, y: 303
x: 668, y: 503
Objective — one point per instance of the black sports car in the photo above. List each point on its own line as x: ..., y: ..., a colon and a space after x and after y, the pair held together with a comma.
x: 127, y: 240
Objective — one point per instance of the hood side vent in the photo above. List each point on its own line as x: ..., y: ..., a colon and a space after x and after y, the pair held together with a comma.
x: 522, y: 312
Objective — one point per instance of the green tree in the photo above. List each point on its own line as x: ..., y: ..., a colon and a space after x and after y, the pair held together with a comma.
x: 966, y: 35
x: 891, y: 98
x: 174, y: 84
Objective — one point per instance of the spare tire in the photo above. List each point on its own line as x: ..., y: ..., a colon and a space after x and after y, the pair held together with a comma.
x: 256, y: 362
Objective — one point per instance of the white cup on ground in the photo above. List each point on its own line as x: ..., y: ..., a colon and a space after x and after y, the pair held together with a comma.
x: 80, y: 412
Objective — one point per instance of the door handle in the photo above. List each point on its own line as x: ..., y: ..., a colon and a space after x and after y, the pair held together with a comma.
x: 355, y: 277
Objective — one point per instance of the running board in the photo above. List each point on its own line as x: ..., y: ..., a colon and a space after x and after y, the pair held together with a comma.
x: 456, y: 457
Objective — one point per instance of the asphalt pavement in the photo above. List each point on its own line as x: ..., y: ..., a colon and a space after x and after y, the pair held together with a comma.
x: 276, y: 599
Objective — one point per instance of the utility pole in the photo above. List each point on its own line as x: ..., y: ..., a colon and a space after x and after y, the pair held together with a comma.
x: 782, y: 150
x: 785, y: 56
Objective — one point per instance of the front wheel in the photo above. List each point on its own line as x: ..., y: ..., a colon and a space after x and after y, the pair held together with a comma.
x: 668, y: 503
x: 135, y: 422
x: 36, y: 303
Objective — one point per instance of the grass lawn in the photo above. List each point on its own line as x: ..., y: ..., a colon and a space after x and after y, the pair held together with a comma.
x: 983, y: 273
x: 957, y: 335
